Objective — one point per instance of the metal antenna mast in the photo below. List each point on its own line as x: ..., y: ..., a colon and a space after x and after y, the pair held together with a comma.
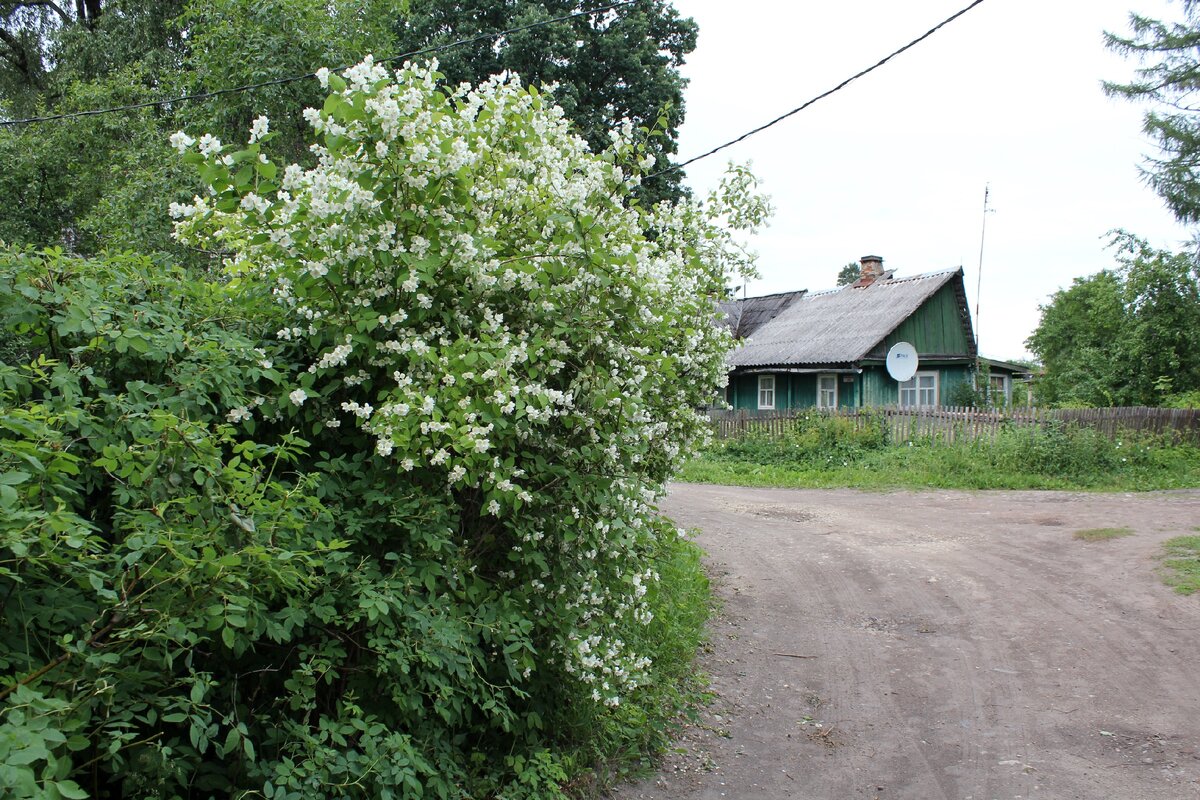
x: 979, y: 281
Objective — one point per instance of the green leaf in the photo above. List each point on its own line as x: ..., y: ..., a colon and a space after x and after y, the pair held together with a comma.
x: 70, y: 790
x: 231, y: 741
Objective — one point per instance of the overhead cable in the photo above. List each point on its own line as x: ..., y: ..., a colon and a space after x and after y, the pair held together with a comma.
x: 822, y: 96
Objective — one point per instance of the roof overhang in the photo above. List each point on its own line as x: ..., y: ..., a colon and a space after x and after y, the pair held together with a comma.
x: 797, y: 370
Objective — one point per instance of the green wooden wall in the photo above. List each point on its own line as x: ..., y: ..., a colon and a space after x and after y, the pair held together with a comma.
x: 872, y: 387
x: 880, y: 389
x: 935, y: 328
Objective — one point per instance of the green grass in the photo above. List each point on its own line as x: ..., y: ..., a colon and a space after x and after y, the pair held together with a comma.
x: 1102, y: 534
x: 1183, y: 563
x: 615, y: 744
x: 820, y: 455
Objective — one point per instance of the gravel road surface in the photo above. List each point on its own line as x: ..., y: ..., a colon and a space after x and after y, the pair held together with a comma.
x: 940, y: 646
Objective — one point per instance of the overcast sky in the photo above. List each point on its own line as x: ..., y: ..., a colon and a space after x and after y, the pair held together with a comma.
x: 896, y: 163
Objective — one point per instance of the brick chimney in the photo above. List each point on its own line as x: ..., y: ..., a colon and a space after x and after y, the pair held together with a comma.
x: 871, y: 271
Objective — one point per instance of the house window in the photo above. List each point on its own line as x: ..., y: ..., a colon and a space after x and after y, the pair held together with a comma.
x: 766, y: 391
x: 827, y: 391
x: 999, y: 393
x: 919, y: 391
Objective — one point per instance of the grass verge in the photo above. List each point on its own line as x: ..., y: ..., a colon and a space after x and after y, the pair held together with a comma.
x: 1183, y: 563
x: 1102, y: 534
x: 615, y: 744
x: 818, y: 453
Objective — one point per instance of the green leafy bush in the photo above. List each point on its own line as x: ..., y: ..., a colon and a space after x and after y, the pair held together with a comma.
x: 1017, y: 457
x: 1184, y: 400
x: 810, y: 440
x: 371, y: 515
x: 145, y: 548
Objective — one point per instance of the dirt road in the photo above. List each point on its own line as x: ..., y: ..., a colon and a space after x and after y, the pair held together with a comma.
x: 941, y: 646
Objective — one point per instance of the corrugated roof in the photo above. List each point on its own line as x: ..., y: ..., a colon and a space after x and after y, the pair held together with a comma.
x: 744, y: 317
x: 838, y: 326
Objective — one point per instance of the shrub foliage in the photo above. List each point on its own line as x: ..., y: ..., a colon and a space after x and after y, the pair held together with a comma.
x: 827, y: 450
x: 363, y: 515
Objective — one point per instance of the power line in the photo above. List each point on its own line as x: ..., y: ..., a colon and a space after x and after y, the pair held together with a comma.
x: 821, y: 96
x: 292, y: 79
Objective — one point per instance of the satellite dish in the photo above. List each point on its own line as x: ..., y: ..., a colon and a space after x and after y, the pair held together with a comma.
x: 902, y: 361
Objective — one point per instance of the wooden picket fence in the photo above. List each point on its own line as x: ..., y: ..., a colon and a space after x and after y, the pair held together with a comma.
x: 952, y: 423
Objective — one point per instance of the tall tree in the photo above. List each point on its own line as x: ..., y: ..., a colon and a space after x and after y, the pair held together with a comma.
x: 107, y: 181
x: 1169, y: 54
x: 96, y: 181
x: 619, y: 65
x: 1076, y: 341
x: 849, y: 274
x: 1162, y: 301
x: 1128, y: 336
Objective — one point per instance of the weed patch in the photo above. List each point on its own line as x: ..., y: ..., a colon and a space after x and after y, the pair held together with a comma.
x: 1183, y: 563
x: 1102, y: 534
x: 607, y: 745
x: 823, y: 452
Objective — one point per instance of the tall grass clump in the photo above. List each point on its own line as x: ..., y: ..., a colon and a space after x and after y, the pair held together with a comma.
x: 609, y: 745
x: 1053, y: 456
x: 812, y: 440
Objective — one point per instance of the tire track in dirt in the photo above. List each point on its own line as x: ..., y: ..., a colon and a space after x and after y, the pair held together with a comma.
x: 959, y: 646
x: 933, y: 696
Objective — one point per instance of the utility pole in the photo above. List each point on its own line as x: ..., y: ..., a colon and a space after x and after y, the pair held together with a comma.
x: 979, y: 370
x: 979, y: 280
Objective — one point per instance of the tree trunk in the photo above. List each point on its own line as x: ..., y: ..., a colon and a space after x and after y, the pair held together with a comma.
x: 86, y: 11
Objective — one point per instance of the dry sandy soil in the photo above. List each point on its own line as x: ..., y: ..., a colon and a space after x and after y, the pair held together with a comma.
x: 940, y: 646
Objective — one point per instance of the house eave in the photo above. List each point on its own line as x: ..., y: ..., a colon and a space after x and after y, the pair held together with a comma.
x: 796, y: 370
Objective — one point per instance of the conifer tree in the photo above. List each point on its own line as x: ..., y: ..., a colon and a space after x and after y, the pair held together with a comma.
x: 1169, y: 54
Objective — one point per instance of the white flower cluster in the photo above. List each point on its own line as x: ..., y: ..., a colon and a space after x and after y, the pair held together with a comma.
x: 482, y: 300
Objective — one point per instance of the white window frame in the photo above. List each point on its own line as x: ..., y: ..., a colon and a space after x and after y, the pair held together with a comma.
x: 833, y: 379
x: 913, y: 387
x: 766, y: 392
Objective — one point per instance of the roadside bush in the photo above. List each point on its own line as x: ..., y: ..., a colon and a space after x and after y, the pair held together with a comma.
x: 372, y: 515
x: 1058, y: 449
x: 965, y: 393
x: 811, y: 440
x: 619, y: 742
x: 157, y: 568
x: 1184, y: 400
x: 1053, y: 456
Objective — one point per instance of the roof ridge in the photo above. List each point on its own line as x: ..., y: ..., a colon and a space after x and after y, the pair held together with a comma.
x: 922, y: 275
x: 889, y: 281
x: 818, y: 292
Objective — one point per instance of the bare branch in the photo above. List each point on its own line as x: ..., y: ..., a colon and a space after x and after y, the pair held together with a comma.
x: 50, y: 4
x: 19, y: 57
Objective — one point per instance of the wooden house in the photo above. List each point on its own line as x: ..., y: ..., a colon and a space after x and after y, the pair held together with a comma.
x: 828, y: 349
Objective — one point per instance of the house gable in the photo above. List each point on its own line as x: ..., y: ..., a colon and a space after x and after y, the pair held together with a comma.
x: 939, y: 328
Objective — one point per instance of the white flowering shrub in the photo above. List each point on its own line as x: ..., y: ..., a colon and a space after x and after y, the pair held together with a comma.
x: 499, y: 360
